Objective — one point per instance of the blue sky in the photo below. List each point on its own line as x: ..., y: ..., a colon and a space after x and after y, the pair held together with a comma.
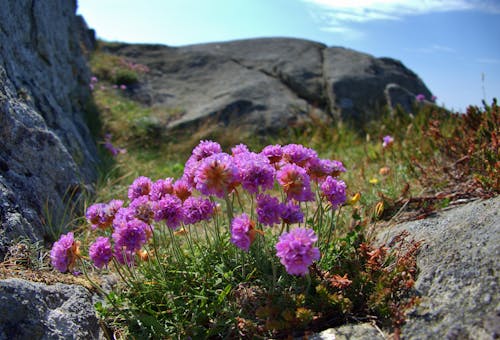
x: 453, y: 45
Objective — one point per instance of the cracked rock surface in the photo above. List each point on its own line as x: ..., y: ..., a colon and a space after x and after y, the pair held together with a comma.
x: 47, y: 154
x: 268, y: 84
x: 38, y: 311
x: 458, y: 279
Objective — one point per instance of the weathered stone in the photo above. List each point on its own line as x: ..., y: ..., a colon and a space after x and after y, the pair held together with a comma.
x: 459, y: 270
x: 37, y: 311
x: 363, y: 331
x: 262, y: 85
x: 47, y: 155
x: 357, y: 83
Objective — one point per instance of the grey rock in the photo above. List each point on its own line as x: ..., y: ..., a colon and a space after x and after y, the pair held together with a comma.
x: 47, y: 155
x: 363, y: 331
x: 38, y: 311
x: 357, y: 84
x: 458, y: 280
x: 262, y: 85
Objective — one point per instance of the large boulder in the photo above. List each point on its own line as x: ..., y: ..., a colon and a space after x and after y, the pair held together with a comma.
x: 262, y: 85
x: 458, y: 281
x: 47, y: 155
x: 33, y: 310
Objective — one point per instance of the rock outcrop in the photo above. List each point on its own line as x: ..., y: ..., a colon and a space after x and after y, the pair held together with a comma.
x: 458, y: 281
x: 268, y: 84
x: 37, y: 311
x: 47, y: 154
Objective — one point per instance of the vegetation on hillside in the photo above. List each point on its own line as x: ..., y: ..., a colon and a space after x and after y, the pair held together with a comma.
x: 218, y: 266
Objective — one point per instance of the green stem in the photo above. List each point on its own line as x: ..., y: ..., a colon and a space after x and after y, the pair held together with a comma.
x: 332, y: 226
x: 156, y: 255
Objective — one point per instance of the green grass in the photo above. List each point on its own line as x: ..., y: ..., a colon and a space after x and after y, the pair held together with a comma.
x: 199, y: 285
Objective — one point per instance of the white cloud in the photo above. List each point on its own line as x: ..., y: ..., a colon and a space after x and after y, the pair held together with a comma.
x: 336, y: 14
x: 436, y: 48
x: 442, y: 48
x: 488, y: 60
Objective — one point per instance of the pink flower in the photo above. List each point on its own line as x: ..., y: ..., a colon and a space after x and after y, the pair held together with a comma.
x: 182, y: 189
x: 295, y: 183
x: 123, y: 87
x: 387, y: 141
x: 268, y: 210
x: 216, y: 175
x: 239, y: 149
x: 142, y: 209
x: 197, y: 209
x: 131, y: 235
x: 420, y: 98
x: 298, y: 154
x: 161, y: 188
x: 334, y: 191
x: 140, y: 186
x: 318, y: 168
x: 100, y: 252
x: 255, y: 172
x: 242, y: 232
x: 101, y: 215
x: 296, y: 252
x: 203, y: 150
x: 273, y: 152
x: 64, y: 252
x: 291, y: 213
x: 169, y: 209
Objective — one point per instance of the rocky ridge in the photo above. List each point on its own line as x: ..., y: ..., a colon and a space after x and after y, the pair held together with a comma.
x: 268, y: 84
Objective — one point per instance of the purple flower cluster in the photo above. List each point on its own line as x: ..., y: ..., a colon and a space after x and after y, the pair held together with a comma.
x: 197, y: 209
x: 298, y: 154
x: 420, y: 97
x: 101, y: 252
x: 242, y: 232
x: 64, y: 252
x: 273, y: 152
x: 296, y: 252
x: 291, y: 213
x: 141, y: 186
x: 210, y: 172
x: 269, y: 210
x: 255, y: 172
x: 110, y: 147
x: 334, y: 191
x: 93, y: 82
x: 295, y: 182
x: 170, y: 210
x: 130, y: 235
x: 101, y: 215
x: 142, y: 209
x: 216, y: 175
x: 387, y: 141
x: 161, y: 188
